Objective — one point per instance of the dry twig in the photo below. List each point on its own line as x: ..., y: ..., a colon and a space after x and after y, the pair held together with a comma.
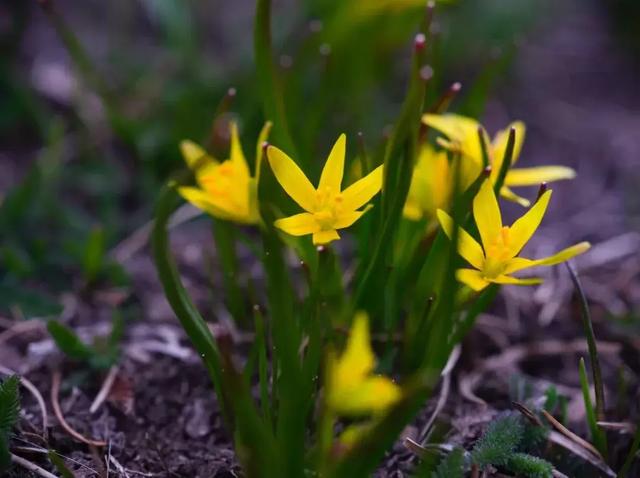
x: 570, y: 435
x: 104, y: 389
x: 55, y: 390
x: 31, y: 467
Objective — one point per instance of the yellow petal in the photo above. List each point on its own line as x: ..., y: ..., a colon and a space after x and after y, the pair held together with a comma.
x: 471, y: 278
x: 298, y: 225
x: 500, y: 141
x: 431, y: 185
x: 351, y: 390
x: 203, y: 201
x: 358, y: 359
x: 292, y: 179
x: 354, y: 433
x: 197, y: 159
x: 372, y: 395
x: 468, y: 247
x: 463, y: 138
x: 523, y: 228
x: 237, y: 155
x: 360, y: 192
x: 262, y: 138
x: 346, y: 219
x: 505, y: 279
x: 519, y: 263
x: 486, y: 212
x: 458, y: 128
x: 508, y: 194
x: 537, y: 175
x: 412, y: 210
x: 194, y: 155
x: 325, y: 237
x: 331, y: 177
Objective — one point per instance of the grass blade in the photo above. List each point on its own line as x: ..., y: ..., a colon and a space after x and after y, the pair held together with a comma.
x: 189, y: 317
x: 597, y: 434
x: 587, y: 325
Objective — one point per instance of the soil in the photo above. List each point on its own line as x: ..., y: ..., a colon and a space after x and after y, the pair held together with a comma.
x: 577, y: 92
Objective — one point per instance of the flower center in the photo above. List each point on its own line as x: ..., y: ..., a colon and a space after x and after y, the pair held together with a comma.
x: 329, y: 207
x: 498, y: 254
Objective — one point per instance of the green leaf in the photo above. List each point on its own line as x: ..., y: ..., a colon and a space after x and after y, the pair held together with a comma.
x: 631, y: 455
x: 225, y: 240
x: 9, y: 404
x: 598, y: 436
x: 68, y: 342
x: 529, y: 466
x: 452, y: 466
x: 194, y: 325
x: 59, y: 464
x: 94, y: 254
x: 5, y: 456
x: 499, y: 441
x: 268, y: 80
x: 30, y: 303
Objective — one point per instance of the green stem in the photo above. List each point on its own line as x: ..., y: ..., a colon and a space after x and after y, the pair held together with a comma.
x: 224, y: 237
x: 587, y: 325
x: 177, y: 296
x: 631, y: 455
x: 269, y: 81
x: 263, y: 364
x: 506, y: 161
x: 596, y: 433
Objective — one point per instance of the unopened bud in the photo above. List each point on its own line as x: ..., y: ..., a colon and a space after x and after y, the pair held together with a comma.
x: 541, y: 190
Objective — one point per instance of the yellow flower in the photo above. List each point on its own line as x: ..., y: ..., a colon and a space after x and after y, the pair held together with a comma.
x: 351, y: 388
x: 328, y: 207
x: 431, y: 185
x: 462, y: 134
x: 497, y: 259
x: 225, y: 190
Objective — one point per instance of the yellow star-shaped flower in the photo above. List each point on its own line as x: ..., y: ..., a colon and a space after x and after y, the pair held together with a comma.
x: 225, y: 190
x: 351, y: 388
x: 328, y: 208
x: 462, y: 137
x: 497, y: 258
x: 431, y: 185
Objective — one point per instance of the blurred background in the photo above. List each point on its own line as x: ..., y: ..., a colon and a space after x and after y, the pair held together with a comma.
x: 95, y: 97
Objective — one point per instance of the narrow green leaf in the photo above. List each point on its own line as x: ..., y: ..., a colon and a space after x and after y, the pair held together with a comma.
x: 68, y: 342
x: 597, y: 434
x: 256, y: 445
x: 188, y: 315
x: 224, y: 236
x: 94, y: 254
x: 592, y: 344
x: 268, y: 80
x: 631, y: 455
x: 263, y: 364
x: 506, y: 161
x: 60, y: 465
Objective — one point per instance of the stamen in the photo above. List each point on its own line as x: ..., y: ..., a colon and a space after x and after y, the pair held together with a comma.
x: 505, y: 235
